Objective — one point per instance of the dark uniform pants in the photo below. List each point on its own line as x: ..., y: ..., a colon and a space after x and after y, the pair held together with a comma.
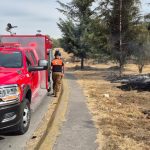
x: 57, y: 79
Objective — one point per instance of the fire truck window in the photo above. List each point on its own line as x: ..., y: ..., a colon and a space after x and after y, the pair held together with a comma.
x: 10, y: 59
x: 33, y: 58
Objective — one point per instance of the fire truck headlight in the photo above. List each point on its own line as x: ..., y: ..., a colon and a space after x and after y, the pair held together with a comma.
x: 9, y: 93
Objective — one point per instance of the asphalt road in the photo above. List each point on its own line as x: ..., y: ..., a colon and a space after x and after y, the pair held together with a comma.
x: 18, y: 142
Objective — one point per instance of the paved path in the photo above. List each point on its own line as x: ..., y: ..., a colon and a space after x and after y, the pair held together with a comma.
x: 78, y: 132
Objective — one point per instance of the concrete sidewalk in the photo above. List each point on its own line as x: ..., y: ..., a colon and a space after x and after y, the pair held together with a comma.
x: 78, y: 132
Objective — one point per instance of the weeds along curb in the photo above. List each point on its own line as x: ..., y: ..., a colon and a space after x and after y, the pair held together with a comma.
x: 51, y: 119
x: 41, y: 134
x: 60, y: 116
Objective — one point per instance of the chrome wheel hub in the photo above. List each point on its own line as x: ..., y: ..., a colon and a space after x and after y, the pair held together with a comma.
x: 26, y: 116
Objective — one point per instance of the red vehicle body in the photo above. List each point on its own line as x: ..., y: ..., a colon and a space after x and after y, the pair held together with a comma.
x: 23, y: 72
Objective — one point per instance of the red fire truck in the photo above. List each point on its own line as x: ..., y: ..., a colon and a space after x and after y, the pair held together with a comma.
x: 24, y: 61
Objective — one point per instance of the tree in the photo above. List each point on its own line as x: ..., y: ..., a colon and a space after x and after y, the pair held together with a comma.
x: 141, y: 56
x: 140, y: 46
x: 75, y: 28
x: 56, y: 43
x: 120, y: 16
x: 147, y: 20
x: 98, y: 39
x: 141, y: 43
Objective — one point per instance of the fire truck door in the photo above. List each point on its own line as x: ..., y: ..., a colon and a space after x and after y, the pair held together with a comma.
x: 34, y: 74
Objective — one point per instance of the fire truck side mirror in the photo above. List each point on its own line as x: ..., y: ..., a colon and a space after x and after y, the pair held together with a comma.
x: 43, y: 63
x: 36, y: 68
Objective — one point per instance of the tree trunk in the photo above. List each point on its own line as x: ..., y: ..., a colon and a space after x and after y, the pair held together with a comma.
x: 82, y: 63
x: 140, y: 67
x: 120, y: 41
x: 121, y: 67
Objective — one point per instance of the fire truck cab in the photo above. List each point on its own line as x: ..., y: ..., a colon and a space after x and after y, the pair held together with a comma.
x: 24, y: 63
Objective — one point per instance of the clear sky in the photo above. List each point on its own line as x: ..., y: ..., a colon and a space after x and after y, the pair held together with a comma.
x: 32, y: 15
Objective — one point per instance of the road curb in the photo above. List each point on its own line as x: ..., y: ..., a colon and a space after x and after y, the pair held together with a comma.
x: 51, y: 119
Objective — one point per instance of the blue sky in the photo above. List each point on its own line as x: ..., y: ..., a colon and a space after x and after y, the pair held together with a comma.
x: 32, y: 15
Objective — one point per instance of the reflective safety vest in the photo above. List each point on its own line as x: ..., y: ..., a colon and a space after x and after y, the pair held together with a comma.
x: 57, y: 65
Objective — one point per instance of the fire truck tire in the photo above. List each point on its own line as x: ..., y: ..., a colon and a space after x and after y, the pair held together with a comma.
x: 25, y: 119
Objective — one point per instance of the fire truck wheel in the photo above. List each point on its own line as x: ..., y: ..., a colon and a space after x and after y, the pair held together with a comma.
x: 26, y: 117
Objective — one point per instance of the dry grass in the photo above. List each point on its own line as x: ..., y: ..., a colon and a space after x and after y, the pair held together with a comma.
x: 118, y: 116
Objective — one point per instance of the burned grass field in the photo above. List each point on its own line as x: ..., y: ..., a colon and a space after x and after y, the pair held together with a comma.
x: 121, y: 116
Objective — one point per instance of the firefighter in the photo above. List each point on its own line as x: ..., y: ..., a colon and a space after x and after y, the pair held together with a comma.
x: 57, y: 52
x: 57, y: 67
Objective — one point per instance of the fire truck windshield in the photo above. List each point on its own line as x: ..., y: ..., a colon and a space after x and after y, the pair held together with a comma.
x: 10, y: 59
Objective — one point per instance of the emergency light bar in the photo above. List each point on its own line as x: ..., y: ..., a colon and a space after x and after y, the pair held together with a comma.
x: 10, y: 45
